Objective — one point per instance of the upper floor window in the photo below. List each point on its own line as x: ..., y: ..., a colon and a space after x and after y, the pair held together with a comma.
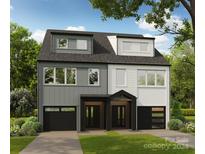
x: 60, y: 76
x: 71, y: 76
x: 72, y: 43
x: 120, y: 77
x: 93, y: 76
x: 49, y: 75
x: 160, y: 78
x: 141, y: 78
x: 151, y: 78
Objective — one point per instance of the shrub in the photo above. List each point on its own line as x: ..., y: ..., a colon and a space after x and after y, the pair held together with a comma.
x: 21, y: 103
x: 190, y: 118
x: 175, y: 124
x: 188, y: 112
x: 35, y: 112
x: 14, y: 130
x: 188, y: 128
x: 27, y: 132
x: 176, y: 111
x: 19, y: 122
x: 32, y: 119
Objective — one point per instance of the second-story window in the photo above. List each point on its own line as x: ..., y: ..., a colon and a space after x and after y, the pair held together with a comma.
x: 60, y: 77
x: 120, y: 77
x: 71, y: 76
x: 93, y: 76
x: 151, y: 78
x: 49, y: 75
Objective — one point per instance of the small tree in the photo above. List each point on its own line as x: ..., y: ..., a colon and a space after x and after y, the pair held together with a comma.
x: 176, y: 111
x: 21, y: 103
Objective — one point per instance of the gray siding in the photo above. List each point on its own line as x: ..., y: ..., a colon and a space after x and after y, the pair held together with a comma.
x: 89, y: 45
x: 64, y: 95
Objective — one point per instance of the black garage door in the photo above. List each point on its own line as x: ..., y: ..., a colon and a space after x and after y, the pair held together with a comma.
x: 59, y: 118
x: 151, y: 117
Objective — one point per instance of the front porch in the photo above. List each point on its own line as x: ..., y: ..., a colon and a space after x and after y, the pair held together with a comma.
x: 117, y: 111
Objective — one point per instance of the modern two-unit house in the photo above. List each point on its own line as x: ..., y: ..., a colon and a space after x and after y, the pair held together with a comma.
x: 95, y: 80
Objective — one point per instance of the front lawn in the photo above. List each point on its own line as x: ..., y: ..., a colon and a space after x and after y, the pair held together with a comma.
x: 19, y: 143
x: 113, y: 143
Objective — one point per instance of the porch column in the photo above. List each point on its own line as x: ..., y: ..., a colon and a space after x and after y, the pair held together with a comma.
x: 108, y: 115
x: 82, y: 115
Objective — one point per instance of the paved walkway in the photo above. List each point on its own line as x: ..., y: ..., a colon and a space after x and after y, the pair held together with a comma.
x: 62, y: 142
x: 173, y: 136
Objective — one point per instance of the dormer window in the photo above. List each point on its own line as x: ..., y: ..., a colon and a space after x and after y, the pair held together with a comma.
x: 135, y: 47
x: 72, y: 43
x: 131, y: 46
x: 62, y: 43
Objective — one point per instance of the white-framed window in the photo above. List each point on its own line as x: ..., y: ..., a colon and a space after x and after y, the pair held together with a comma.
x: 151, y: 78
x: 93, y: 76
x: 71, y: 76
x: 60, y: 76
x: 141, y: 76
x: 72, y: 43
x: 48, y: 75
x: 120, y: 77
x: 160, y: 75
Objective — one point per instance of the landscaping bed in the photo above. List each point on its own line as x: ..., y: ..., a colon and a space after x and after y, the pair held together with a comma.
x: 113, y: 143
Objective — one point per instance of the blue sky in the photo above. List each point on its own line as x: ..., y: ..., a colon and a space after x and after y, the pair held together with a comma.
x: 39, y: 15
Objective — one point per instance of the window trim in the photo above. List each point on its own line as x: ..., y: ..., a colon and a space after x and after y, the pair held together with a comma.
x: 98, y: 83
x: 152, y: 86
x: 54, y: 78
x: 125, y: 79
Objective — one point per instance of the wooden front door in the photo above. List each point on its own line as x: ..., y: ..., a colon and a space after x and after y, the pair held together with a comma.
x: 92, y: 116
x: 118, y: 116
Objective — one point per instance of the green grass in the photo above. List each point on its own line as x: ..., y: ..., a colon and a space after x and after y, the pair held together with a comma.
x: 113, y: 143
x: 19, y: 143
x: 190, y: 118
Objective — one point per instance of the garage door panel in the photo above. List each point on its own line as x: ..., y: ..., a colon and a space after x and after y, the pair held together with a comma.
x: 60, y: 120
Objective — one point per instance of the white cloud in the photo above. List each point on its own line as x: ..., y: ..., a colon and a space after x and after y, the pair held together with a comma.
x: 174, y: 20
x: 77, y: 28
x: 161, y: 42
x: 38, y: 35
x: 11, y: 7
x: 142, y: 24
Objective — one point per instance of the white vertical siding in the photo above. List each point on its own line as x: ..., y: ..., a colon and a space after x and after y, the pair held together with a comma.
x: 146, y: 96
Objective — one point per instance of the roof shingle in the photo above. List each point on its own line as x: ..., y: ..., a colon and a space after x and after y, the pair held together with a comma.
x: 102, y: 51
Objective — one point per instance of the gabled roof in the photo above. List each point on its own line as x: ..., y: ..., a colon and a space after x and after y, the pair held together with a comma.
x: 102, y: 50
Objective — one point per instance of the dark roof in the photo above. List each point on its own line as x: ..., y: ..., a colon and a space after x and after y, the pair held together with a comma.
x: 102, y: 50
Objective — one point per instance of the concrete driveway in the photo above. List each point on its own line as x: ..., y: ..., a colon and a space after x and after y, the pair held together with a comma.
x: 62, y: 142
